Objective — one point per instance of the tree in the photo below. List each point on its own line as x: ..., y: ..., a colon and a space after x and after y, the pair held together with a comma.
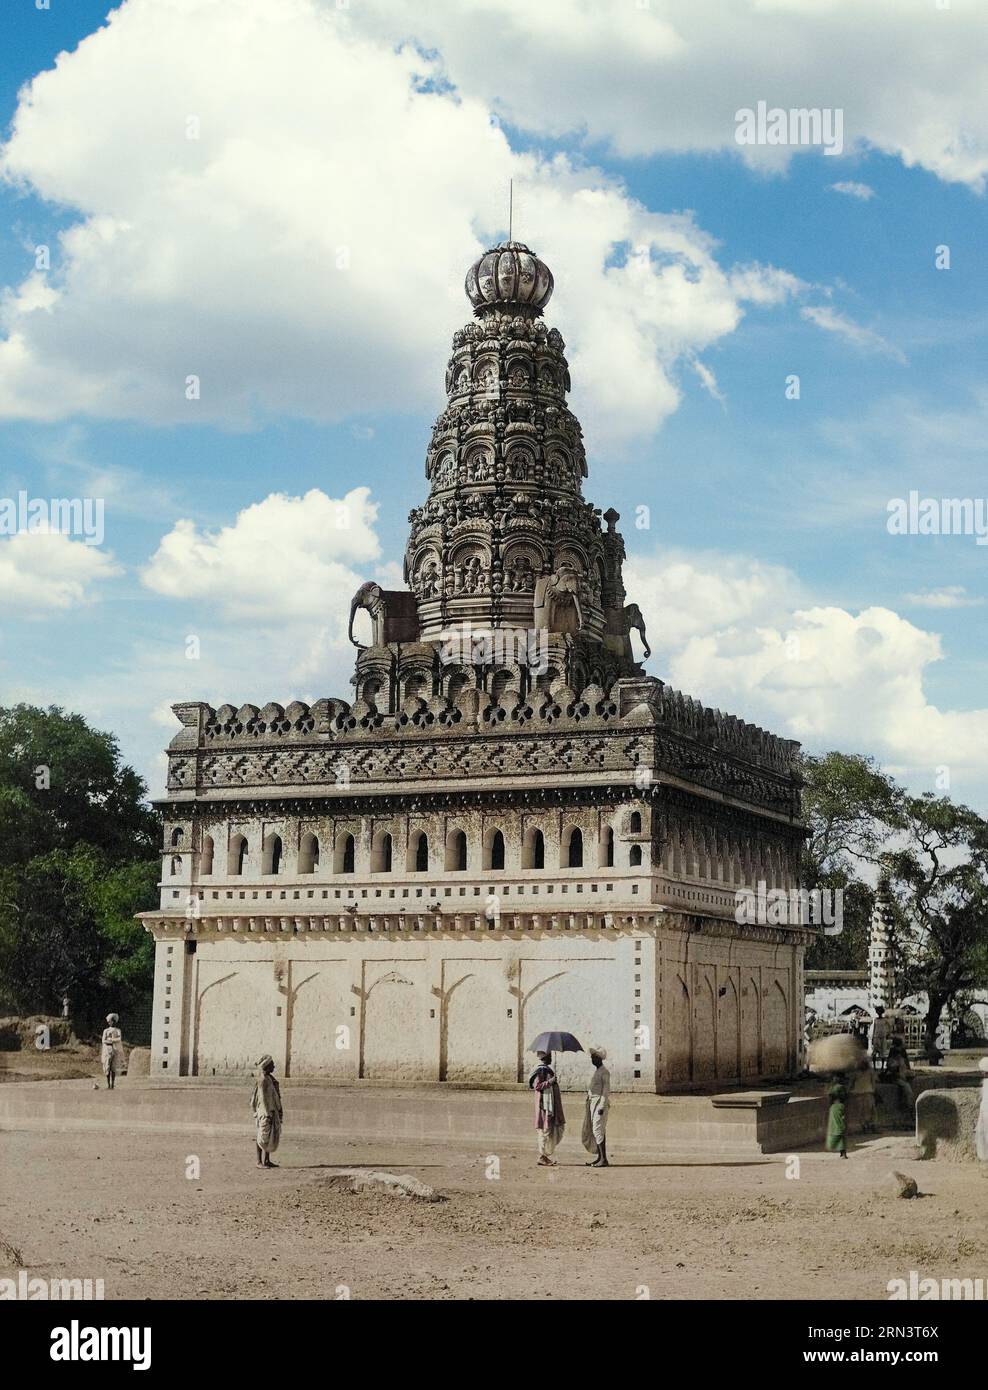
x: 931, y: 857
x: 938, y: 879
x: 78, y: 857
x: 847, y: 803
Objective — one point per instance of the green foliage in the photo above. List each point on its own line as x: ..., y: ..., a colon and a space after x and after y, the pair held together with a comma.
x: 77, y: 860
x: 849, y: 949
x: 930, y: 858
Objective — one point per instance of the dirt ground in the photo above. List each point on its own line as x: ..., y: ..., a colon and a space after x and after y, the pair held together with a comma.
x: 121, y: 1208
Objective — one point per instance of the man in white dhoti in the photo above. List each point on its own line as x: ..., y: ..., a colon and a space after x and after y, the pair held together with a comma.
x: 111, y: 1050
x: 880, y: 1034
x: 981, y: 1132
x: 598, y: 1104
x: 265, y: 1106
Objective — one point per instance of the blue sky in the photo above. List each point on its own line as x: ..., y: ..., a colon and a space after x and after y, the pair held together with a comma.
x: 768, y: 578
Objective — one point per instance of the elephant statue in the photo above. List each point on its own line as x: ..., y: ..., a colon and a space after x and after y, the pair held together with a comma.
x: 557, y: 601
x: 634, y: 622
x: 371, y: 597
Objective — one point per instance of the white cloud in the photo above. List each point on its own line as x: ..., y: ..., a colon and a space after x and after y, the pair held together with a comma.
x: 305, y: 253
x: 949, y: 596
x: 863, y: 338
x: 41, y: 571
x: 863, y: 191
x: 284, y: 560
x: 743, y: 636
x: 909, y: 76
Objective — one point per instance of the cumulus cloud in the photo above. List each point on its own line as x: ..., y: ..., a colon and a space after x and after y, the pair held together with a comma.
x: 862, y: 191
x: 908, y: 77
x: 746, y: 637
x: 42, y: 571
x: 237, y: 258
x: 285, y: 559
x: 865, y: 339
x: 949, y: 596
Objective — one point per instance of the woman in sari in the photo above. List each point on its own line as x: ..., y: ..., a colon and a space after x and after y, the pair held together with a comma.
x: 111, y: 1050
x: 266, y: 1108
x: 549, y: 1118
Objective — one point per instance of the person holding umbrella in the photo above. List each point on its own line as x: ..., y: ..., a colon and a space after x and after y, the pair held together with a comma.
x: 598, y: 1104
x: 550, y: 1122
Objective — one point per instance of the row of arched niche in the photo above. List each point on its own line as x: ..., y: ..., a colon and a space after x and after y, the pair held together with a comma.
x: 421, y: 856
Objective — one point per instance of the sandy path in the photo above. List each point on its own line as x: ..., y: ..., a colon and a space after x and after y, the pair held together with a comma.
x: 83, y: 1205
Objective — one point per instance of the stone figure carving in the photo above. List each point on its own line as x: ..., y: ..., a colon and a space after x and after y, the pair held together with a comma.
x: 371, y: 597
x: 557, y: 601
x: 634, y: 622
x: 430, y: 580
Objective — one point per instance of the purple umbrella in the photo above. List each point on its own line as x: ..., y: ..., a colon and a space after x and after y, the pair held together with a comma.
x: 556, y: 1042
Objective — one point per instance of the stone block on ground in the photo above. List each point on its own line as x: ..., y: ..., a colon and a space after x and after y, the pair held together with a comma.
x: 945, y: 1124
x: 896, y: 1184
x: 395, y: 1185
x: 139, y: 1062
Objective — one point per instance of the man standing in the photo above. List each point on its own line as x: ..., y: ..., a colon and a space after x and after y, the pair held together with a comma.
x: 879, y: 1037
x: 598, y: 1103
x: 266, y: 1108
x: 111, y: 1050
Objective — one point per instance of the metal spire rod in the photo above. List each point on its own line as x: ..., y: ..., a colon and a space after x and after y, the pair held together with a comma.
x: 511, y: 207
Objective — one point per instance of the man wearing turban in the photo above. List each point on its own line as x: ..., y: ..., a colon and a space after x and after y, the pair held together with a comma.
x: 265, y: 1106
x: 111, y: 1050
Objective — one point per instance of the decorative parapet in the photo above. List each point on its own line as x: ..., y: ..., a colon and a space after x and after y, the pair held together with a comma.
x: 636, y: 731
x: 641, y: 701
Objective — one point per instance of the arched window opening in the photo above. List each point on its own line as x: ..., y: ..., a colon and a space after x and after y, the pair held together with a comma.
x: 496, y: 852
x: 636, y: 822
x: 575, y: 855
x: 635, y: 857
x: 456, y: 852
x: 237, y: 858
x: 534, y: 852
x: 609, y: 848
x: 308, y: 854
x: 347, y: 854
x: 176, y: 864
x: 178, y: 835
x: 272, y: 855
x: 206, y: 863
x: 382, y: 856
x: 422, y: 855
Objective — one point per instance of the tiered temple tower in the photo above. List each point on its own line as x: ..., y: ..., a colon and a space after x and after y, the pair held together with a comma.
x: 881, y: 954
x: 510, y: 827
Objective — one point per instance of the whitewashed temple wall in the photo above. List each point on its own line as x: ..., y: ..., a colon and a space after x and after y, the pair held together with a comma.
x: 673, y: 1008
